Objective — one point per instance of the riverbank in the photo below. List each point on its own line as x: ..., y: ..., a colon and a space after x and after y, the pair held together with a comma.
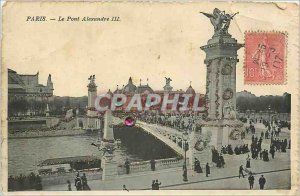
x: 52, y: 133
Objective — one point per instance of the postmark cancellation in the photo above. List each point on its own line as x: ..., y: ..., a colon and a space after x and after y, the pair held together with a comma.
x: 265, y: 57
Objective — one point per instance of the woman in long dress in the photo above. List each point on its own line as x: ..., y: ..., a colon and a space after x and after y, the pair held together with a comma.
x: 198, y: 168
x: 207, y: 170
x: 85, y: 185
x: 248, y: 162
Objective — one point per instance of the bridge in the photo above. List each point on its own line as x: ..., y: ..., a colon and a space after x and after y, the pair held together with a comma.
x: 171, y: 137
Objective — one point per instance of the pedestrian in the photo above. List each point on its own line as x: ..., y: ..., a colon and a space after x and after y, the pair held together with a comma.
x: 153, y: 184
x: 127, y: 166
x: 69, y: 185
x: 283, y: 147
x: 85, y: 185
x: 261, y: 153
x: 78, y: 183
x: 124, y: 188
x: 38, y: 183
x: 207, y: 170
x: 230, y: 151
x: 248, y: 162
x: 262, y: 182
x: 197, y: 166
x: 272, y: 151
x: 157, y: 184
x: 152, y: 163
x: 266, y: 155
x: 241, y: 169
x: 11, y: 183
x: 21, y: 182
x: 31, y: 180
x: 251, y: 180
x: 222, y: 160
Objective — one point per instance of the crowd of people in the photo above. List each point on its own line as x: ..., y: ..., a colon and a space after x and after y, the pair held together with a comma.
x: 276, y: 145
x: 81, y: 183
x: 40, y: 129
x: 85, y: 164
x: 198, y: 168
x: 240, y: 149
x: 177, y: 121
x: 155, y: 185
x: 217, y: 158
x: 25, y: 182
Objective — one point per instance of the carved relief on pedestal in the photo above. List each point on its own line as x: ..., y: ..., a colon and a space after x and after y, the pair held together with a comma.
x: 217, y: 89
x: 207, y: 100
x: 228, y: 111
x: 202, y: 141
x: 226, y: 69
x: 235, y: 134
x: 228, y: 94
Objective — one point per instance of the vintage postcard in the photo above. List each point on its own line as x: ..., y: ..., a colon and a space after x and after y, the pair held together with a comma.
x: 150, y: 98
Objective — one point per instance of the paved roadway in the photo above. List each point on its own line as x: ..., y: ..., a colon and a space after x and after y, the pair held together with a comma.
x: 277, y: 172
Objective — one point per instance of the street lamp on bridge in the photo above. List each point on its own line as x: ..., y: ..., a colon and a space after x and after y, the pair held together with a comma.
x: 185, y: 136
x: 269, y: 112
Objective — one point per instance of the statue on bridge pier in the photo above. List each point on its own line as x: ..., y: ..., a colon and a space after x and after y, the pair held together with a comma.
x: 168, y: 86
x: 220, y: 20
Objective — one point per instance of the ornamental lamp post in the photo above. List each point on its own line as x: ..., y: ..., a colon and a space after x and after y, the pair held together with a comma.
x: 253, y: 112
x: 248, y: 113
x: 260, y: 112
x: 274, y: 116
x: 269, y: 111
x: 185, y: 138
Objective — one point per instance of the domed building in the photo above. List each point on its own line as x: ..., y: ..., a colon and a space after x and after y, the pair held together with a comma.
x: 109, y: 92
x: 130, y: 87
x: 190, y: 90
x: 144, y: 89
x: 118, y: 91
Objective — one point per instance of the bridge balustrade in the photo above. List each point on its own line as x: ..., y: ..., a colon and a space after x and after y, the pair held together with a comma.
x: 145, y: 166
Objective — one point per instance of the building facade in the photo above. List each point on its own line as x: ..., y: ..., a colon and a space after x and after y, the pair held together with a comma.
x: 26, y: 96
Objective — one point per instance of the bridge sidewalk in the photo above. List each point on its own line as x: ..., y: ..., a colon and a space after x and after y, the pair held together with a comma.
x: 172, y: 178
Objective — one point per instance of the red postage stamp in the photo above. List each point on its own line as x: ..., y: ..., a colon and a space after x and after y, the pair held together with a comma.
x: 265, y: 58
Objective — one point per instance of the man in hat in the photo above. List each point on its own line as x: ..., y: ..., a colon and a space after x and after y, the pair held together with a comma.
x: 262, y: 182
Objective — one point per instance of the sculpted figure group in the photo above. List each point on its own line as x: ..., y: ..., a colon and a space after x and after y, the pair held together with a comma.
x: 220, y: 20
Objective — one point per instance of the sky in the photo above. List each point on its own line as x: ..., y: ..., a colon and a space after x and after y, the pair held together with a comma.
x: 151, y: 41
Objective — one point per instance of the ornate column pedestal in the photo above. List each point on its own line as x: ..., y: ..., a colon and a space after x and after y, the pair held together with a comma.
x: 109, y: 167
x: 224, y: 132
x: 199, y: 148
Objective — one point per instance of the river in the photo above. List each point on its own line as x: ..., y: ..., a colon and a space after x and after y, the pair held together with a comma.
x: 24, y: 154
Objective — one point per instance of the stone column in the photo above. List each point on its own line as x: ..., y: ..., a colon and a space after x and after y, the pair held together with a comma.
x: 108, y: 127
x: 221, y: 59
